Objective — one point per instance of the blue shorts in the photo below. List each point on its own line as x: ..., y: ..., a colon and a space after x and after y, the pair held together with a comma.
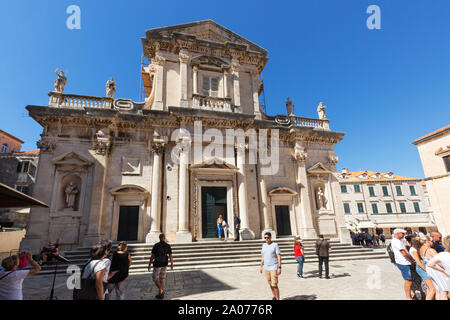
x: 406, y: 272
x: 422, y: 273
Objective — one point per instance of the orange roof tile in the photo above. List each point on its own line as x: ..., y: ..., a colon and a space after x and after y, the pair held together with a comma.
x: 355, y: 175
x: 32, y: 152
x: 441, y: 130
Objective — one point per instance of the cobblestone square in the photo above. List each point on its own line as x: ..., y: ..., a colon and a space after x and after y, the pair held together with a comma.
x: 350, y: 280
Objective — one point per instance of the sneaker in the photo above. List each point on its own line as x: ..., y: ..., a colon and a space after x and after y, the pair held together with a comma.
x: 274, y: 298
x: 299, y: 276
x: 160, y: 295
x: 327, y: 278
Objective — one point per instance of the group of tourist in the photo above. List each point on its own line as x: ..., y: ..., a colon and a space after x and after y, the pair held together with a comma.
x: 364, y: 238
x: 224, y: 230
x: 422, y: 257
x: 271, y: 260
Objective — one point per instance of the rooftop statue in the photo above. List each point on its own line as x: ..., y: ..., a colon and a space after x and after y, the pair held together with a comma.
x: 60, y: 83
x: 111, y: 88
x: 289, y: 107
x: 321, y: 111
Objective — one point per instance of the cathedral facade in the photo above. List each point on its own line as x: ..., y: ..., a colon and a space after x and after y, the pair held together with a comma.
x: 199, y: 146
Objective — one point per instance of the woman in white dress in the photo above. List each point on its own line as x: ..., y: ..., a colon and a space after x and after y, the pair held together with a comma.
x: 439, y: 270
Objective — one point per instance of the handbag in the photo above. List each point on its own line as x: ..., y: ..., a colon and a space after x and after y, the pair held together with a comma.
x: 87, y: 291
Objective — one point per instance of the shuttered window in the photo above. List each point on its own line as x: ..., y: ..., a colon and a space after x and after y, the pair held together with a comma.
x: 211, y: 86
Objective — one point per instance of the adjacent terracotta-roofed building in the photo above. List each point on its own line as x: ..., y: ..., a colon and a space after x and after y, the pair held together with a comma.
x: 9, y: 143
x: 434, y: 151
x: 381, y: 202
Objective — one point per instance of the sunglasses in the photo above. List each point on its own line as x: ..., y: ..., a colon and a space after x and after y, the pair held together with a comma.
x: 266, y: 237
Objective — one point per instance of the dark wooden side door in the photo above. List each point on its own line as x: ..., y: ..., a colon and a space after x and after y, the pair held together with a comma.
x: 213, y: 204
x: 128, y: 223
x: 283, y: 220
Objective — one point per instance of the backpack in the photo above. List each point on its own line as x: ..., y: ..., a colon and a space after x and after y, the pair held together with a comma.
x: 391, y: 253
x: 88, y: 291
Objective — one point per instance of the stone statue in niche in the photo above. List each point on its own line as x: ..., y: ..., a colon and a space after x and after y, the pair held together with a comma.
x: 71, y: 192
x: 60, y: 83
x: 321, y: 200
x: 321, y: 111
x: 289, y: 107
x: 111, y: 88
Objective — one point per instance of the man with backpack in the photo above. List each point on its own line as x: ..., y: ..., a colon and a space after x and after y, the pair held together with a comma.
x: 399, y: 255
x: 161, y: 253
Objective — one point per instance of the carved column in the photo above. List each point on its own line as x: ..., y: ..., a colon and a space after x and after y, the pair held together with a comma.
x: 195, y: 80
x: 184, y: 59
x: 225, y: 84
x: 268, y: 223
x: 246, y: 233
x: 157, y: 146
x: 159, y: 62
x: 183, y: 234
x: 307, y: 230
x: 102, y: 147
x: 235, y: 71
x: 254, y: 75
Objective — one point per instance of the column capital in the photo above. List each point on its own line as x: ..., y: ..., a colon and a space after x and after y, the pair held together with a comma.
x: 300, y: 155
x: 235, y: 65
x: 184, y: 56
x: 159, y: 60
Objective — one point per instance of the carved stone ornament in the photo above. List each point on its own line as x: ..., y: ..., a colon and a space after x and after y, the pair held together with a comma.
x: 289, y: 107
x: 102, y: 143
x: 159, y: 60
x: 300, y: 155
x: 235, y: 65
x: 46, y: 146
x: 184, y: 56
x: 157, y: 147
x: 333, y: 160
x: 321, y: 111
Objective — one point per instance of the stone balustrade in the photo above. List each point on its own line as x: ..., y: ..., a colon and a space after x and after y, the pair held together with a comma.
x: 309, y: 122
x: 211, y: 103
x: 78, y: 101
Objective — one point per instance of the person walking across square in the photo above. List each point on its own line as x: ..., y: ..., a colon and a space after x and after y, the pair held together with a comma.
x: 323, y: 251
x: 161, y: 253
x: 271, y: 264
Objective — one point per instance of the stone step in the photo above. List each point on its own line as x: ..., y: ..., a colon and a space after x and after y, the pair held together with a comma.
x: 141, y: 268
x: 209, y: 252
x: 213, y: 261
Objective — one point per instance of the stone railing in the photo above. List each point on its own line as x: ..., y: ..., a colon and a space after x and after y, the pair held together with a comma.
x: 211, y: 103
x: 309, y: 122
x: 77, y: 101
x: 401, y: 218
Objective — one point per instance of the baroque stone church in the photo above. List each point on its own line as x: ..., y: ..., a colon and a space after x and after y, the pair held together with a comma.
x: 111, y: 169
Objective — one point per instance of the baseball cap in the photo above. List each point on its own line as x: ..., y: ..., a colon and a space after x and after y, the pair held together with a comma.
x: 399, y: 231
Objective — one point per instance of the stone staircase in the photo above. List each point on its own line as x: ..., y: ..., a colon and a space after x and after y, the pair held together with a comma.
x: 219, y: 254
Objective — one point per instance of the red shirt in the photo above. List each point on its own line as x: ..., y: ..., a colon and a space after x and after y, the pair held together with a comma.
x: 298, y: 251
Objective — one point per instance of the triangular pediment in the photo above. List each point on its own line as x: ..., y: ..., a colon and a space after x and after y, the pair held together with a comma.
x: 214, y: 163
x: 71, y: 158
x: 319, y: 168
x: 207, y: 30
x: 282, y: 191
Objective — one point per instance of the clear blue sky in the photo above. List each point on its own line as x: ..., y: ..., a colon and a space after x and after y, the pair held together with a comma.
x: 384, y: 88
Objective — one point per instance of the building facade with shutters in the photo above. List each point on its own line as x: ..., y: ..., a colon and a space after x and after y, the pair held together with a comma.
x: 434, y: 151
x: 17, y: 170
x: 124, y: 170
x: 381, y: 202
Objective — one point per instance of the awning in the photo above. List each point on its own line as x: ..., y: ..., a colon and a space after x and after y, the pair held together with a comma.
x: 366, y: 224
x: 406, y: 225
x: 11, y: 198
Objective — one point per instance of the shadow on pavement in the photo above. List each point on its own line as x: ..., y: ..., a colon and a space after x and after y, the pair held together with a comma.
x: 302, y: 297
x: 178, y: 284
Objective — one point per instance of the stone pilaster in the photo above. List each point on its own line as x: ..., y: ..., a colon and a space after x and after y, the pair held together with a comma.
x: 183, y: 234
x: 236, y: 90
x: 159, y: 62
x: 195, y: 80
x: 307, y: 230
x: 157, y: 146
x: 267, y: 217
x: 254, y: 77
x: 246, y: 233
x: 184, y: 60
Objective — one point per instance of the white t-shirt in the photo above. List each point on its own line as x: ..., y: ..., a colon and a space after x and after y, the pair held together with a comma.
x: 99, y: 266
x: 11, y: 285
x: 398, y: 245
